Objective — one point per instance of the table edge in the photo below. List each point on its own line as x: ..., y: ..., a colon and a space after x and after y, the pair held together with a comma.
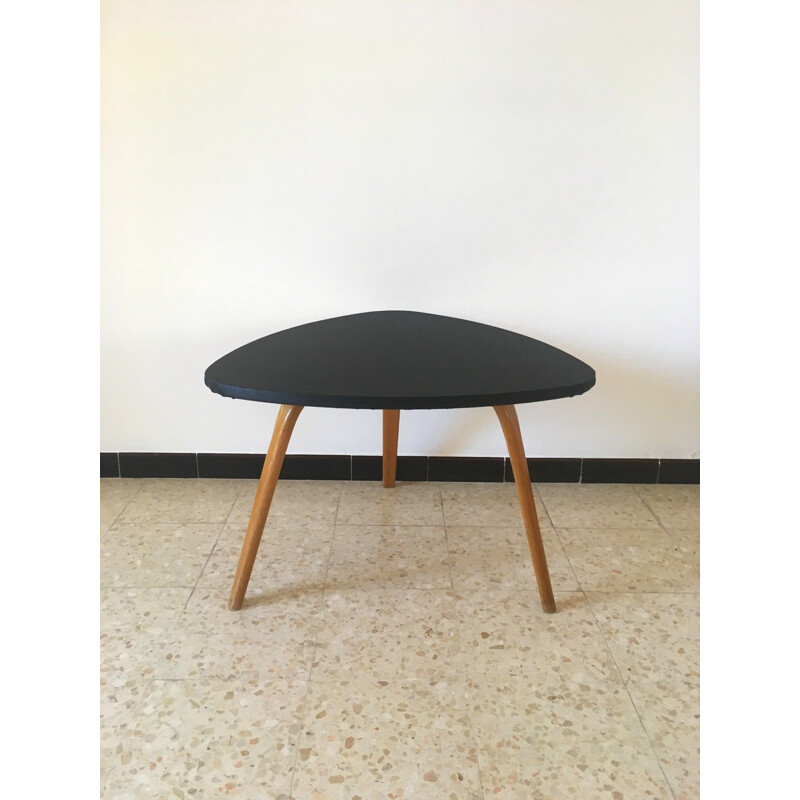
x: 400, y: 402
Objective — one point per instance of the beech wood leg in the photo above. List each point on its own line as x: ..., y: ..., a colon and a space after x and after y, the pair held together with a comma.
x: 391, y: 428
x: 516, y: 451
x: 284, y: 424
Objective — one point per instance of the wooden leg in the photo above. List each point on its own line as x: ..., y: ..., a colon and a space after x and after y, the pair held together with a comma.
x: 510, y: 423
x: 284, y: 424
x: 391, y: 428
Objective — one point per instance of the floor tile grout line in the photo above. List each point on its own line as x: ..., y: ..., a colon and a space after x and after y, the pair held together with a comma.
x: 639, y: 591
x: 437, y: 525
x: 446, y: 542
x: 139, y: 586
x: 461, y: 644
x: 314, y: 644
x: 172, y: 522
x: 569, y: 561
x: 301, y: 726
x: 628, y: 692
x: 658, y: 519
x: 647, y: 506
x: 544, y: 505
x: 333, y: 539
x: 664, y: 527
x: 365, y: 588
x: 664, y: 532
x: 121, y: 511
x: 649, y: 739
x: 214, y: 547
x: 628, y: 528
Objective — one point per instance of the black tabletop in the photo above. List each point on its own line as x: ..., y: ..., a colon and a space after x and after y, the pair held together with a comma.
x: 398, y: 359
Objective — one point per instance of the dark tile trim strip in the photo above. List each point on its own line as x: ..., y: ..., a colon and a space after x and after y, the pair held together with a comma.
x: 679, y: 470
x: 485, y: 470
x: 158, y: 465
x: 318, y: 468
x: 109, y: 465
x: 620, y: 470
x: 230, y: 465
x: 409, y: 468
x: 549, y: 470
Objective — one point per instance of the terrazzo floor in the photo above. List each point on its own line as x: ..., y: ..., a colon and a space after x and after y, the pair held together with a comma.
x: 392, y: 644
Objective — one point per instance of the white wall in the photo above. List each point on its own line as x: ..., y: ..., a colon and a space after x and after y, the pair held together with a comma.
x: 532, y: 165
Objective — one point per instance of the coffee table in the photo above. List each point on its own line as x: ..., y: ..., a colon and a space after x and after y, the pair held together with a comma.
x: 395, y: 360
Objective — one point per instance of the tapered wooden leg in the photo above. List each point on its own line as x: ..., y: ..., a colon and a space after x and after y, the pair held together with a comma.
x: 510, y: 423
x: 284, y: 424
x: 391, y: 428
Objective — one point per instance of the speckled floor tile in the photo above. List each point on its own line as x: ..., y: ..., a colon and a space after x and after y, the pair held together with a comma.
x: 687, y: 543
x: 292, y: 556
x: 507, y: 633
x: 155, y: 554
x: 626, y: 560
x: 368, y: 503
x: 653, y: 637
x: 554, y: 739
x: 206, y: 738
x: 272, y: 635
x: 133, y: 626
x: 302, y: 502
x: 595, y: 506
x: 132, y: 610
x: 675, y: 506
x: 115, y: 494
x: 487, y: 505
x: 120, y: 695
x: 386, y: 739
x: 182, y: 500
x: 392, y: 556
x: 670, y: 712
x: 500, y: 557
x: 414, y: 691
x: 388, y: 634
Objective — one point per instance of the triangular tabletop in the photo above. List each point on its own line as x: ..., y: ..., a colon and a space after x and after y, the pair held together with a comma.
x: 398, y: 360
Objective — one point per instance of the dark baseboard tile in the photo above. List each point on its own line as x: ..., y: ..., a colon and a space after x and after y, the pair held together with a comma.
x: 158, y: 465
x: 549, y: 470
x: 230, y: 465
x: 316, y: 468
x: 409, y: 468
x: 227, y: 465
x: 620, y: 470
x: 295, y: 467
x: 109, y: 465
x: 483, y: 470
x: 679, y: 470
